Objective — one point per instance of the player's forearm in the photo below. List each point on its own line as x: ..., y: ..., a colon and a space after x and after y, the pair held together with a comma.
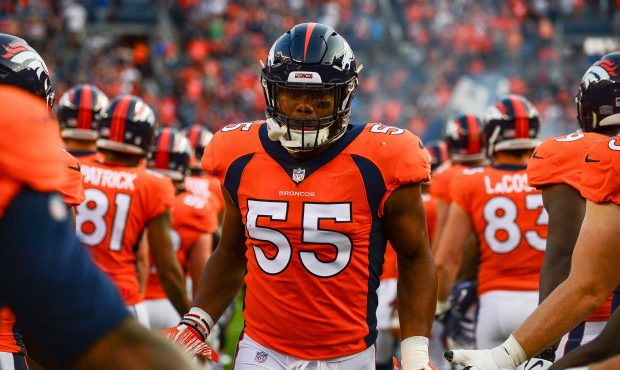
x: 574, y: 299
x: 555, y: 270
x: 173, y: 283
x: 417, y: 293
x: 221, y: 281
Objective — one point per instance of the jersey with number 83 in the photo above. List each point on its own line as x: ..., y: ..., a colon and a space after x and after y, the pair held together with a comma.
x: 314, y: 238
x: 120, y: 201
x: 510, y: 222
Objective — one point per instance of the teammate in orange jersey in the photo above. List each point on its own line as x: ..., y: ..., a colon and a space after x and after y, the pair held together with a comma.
x: 555, y: 168
x: 594, y: 271
x: 310, y: 204
x: 508, y: 218
x: 23, y: 67
x: 465, y: 149
x: 122, y: 199
x: 192, y: 224
x: 199, y: 182
x: 78, y: 113
x: 59, y: 297
x: 597, y: 111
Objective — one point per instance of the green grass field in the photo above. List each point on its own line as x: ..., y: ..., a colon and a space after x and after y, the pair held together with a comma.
x: 233, y: 330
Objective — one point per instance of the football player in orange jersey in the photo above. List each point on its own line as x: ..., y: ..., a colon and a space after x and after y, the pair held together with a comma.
x: 22, y: 67
x: 464, y: 142
x: 598, y: 111
x: 508, y: 218
x: 310, y: 203
x: 192, y: 224
x: 199, y: 182
x: 122, y: 199
x: 65, y: 304
x: 594, y: 271
x: 555, y: 168
x: 78, y: 113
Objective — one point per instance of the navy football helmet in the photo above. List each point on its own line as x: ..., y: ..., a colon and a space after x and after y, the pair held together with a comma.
x: 598, y: 99
x: 511, y: 124
x: 438, y: 153
x: 23, y: 67
x: 79, y: 111
x: 199, y: 137
x: 463, y: 137
x: 127, y: 126
x: 309, y: 81
x: 171, y: 154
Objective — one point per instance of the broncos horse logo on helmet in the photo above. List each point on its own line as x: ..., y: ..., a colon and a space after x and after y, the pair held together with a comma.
x: 23, y: 67
x: 598, y: 99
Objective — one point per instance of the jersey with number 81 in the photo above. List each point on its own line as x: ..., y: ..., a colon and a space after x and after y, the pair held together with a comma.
x: 510, y: 222
x: 120, y: 201
x: 314, y: 237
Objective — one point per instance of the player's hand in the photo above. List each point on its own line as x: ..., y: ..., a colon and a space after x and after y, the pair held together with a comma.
x: 508, y: 355
x: 192, y: 332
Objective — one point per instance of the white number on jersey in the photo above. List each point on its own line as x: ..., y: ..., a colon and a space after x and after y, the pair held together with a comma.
x: 311, y: 233
x: 95, y: 216
x: 500, y: 214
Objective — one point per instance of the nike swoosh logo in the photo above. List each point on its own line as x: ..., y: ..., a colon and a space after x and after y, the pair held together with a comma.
x: 591, y: 160
x: 538, y: 363
x: 535, y: 155
x: 77, y: 168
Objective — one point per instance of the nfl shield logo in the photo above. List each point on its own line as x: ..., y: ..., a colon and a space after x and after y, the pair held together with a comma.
x: 260, y: 357
x: 299, y: 174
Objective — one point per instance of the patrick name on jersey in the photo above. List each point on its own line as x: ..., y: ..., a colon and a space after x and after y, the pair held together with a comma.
x: 120, y: 180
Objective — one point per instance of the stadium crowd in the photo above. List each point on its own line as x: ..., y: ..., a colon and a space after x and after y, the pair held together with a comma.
x: 415, y: 52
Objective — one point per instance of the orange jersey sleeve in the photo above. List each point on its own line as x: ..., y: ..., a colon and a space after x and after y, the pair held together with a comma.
x: 558, y: 160
x: 29, y: 154
x: 600, y: 176
x: 390, y: 265
x: 397, y: 153
x: 442, y: 180
x: 511, y: 224
x: 10, y: 340
x: 72, y: 191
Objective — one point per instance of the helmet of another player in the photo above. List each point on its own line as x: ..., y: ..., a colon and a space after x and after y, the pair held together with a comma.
x: 79, y: 111
x: 437, y: 153
x: 127, y: 125
x: 199, y: 137
x: 23, y: 67
x: 463, y: 137
x: 309, y: 81
x: 598, y: 98
x: 171, y: 154
x: 511, y: 124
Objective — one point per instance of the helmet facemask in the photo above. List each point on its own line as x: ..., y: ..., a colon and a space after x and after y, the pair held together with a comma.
x: 308, y: 115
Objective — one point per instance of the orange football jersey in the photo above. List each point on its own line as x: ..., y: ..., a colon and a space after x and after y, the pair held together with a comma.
x: 600, y: 172
x: 558, y: 161
x: 72, y: 192
x: 10, y: 340
x: 209, y: 187
x: 390, y: 263
x: 442, y: 178
x: 191, y: 218
x: 511, y: 223
x: 120, y: 201
x: 315, y: 243
x: 431, y: 214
